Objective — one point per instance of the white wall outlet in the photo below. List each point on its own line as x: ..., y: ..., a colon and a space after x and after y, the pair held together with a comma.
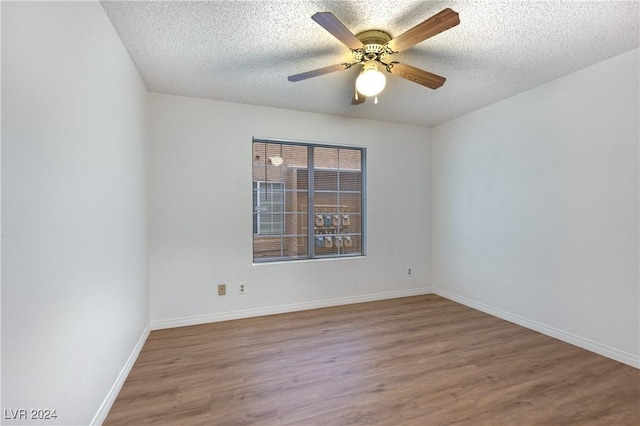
x: 242, y: 287
x: 409, y: 272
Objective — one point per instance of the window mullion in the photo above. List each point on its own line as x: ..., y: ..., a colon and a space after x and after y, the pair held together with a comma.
x: 311, y: 238
x: 338, y: 231
x: 363, y: 203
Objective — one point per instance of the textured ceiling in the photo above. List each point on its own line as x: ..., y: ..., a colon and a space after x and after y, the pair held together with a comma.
x: 243, y: 51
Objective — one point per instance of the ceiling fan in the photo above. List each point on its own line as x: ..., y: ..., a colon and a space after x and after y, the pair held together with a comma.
x: 373, y: 48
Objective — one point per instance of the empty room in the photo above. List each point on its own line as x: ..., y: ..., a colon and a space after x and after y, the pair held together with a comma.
x: 320, y: 213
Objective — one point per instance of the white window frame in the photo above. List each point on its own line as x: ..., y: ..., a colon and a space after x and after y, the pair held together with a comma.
x: 268, y: 187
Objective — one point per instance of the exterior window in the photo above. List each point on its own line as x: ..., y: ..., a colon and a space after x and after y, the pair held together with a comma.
x: 268, y: 199
x: 308, y: 201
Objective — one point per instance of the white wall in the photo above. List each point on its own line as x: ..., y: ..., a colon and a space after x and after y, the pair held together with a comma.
x: 200, y: 203
x: 535, y: 208
x: 74, y: 284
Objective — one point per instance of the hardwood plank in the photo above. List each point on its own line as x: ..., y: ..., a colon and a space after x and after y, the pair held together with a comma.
x: 420, y: 360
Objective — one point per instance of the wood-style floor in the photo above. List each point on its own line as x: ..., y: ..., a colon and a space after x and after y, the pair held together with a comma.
x: 414, y: 361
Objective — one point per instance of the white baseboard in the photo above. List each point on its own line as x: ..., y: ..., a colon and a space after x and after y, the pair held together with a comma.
x: 590, y: 345
x: 101, y: 415
x: 280, y: 309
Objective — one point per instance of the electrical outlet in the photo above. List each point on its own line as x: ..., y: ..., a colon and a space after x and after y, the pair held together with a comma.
x: 222, y: 289
x: 409, y: 272
x: 242, y: 287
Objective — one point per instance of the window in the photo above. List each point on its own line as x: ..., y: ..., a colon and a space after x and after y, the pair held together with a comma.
x: 268, y: 199
x: 308, y: 201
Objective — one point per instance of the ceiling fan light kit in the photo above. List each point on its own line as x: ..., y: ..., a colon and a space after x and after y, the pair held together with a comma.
x: 372, y: 48
x: 370, y: 82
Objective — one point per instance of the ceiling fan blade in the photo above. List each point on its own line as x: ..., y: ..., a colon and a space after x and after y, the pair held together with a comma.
x: 425, y: 78
x: 359, y: 100
x: 438, y: 23
x: 329, y: 22
x: 319, y: 71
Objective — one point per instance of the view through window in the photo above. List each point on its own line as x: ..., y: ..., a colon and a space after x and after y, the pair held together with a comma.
x: 308, y: 201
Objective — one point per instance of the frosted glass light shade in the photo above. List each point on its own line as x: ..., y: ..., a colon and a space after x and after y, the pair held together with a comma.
x: 370, y: 82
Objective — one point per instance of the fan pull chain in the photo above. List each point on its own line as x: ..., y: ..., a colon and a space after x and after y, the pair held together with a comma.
x: 375, y: 100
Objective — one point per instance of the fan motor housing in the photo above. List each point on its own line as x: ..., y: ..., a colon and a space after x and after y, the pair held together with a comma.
x: 374, y: 45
